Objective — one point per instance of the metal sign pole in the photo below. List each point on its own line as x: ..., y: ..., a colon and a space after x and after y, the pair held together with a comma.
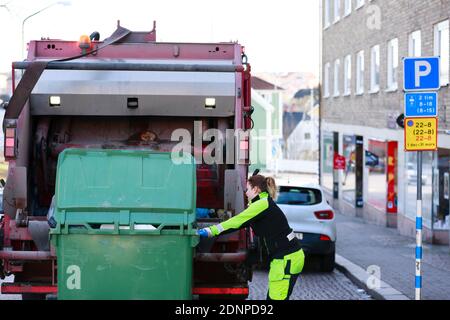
x: 419, y: 227
x: 421, y: 127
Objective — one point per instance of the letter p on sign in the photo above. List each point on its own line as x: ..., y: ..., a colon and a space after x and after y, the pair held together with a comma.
x: 421, y: 74
x: 422, y: 69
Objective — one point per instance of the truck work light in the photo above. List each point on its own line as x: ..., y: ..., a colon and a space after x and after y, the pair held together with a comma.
x: 210, y: 103
x: 55, y: 101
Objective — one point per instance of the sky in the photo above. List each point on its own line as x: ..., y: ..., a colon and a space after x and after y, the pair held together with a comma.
x: 279, y: 36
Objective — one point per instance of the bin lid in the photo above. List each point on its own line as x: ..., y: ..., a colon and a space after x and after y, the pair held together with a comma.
x: 108, y: 186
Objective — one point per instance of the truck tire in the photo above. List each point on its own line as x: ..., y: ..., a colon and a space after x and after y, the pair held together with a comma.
x: 327, y: 262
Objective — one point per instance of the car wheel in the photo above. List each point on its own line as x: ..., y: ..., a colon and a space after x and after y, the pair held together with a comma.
x: 327, y: 262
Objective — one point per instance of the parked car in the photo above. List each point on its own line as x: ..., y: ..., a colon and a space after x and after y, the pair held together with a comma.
x: 312, y: 219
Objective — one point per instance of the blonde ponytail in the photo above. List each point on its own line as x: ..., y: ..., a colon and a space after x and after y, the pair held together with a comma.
x: 271, y: 187
x: 264, y: 184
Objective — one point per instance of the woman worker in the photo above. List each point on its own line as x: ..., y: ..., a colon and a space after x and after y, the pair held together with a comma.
x: 270, y: 224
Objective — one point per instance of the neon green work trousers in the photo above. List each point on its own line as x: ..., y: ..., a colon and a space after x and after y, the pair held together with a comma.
x: 283, y: 274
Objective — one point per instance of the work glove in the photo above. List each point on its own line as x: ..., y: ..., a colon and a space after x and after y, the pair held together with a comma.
x: 205, y: 233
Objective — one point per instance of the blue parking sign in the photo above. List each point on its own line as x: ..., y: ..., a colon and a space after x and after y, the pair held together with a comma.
x: 421, y: 104
x: 421, y: 74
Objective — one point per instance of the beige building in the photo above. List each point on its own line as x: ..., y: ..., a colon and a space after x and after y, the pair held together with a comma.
x: 363, y: 43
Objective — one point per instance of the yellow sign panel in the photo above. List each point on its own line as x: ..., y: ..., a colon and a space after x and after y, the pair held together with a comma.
x: 421, y: 134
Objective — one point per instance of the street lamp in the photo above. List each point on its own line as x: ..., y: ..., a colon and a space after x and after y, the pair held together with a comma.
x: 63, y: 3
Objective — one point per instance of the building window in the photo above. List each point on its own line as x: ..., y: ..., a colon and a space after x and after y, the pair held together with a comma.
x: 337, y: 10
x: 347, y: 7
x: 327, y: 14
x: 441, y: 189
x: 392, y: 64
x: 360, y: 72
x: 415, y: 44
x: 411, y: 186
x: 337, y: 66
x: 441, y: 48
x: 359, y: 3
x: 327, y: 163
x: 347, y: 75
x: 307, y: 136
x: 375, y: 69
x: 326, y: 81
x: 267, y: 97
x: 349, y: 179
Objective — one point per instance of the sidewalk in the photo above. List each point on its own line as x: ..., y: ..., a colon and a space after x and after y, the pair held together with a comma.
x: 365, y: 245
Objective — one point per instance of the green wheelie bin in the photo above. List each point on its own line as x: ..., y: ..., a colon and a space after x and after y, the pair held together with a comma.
x: 124, y: 225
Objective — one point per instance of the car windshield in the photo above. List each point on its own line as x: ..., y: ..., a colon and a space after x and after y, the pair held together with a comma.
x: 299, y: 196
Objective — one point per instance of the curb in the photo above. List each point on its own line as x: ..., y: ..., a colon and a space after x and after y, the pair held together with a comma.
x: 359, y: 276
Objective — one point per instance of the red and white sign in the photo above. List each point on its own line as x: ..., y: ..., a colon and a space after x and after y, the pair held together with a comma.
x: 339, y: 162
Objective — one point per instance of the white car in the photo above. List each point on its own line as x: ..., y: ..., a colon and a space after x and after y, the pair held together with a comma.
x: 312, y: 219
